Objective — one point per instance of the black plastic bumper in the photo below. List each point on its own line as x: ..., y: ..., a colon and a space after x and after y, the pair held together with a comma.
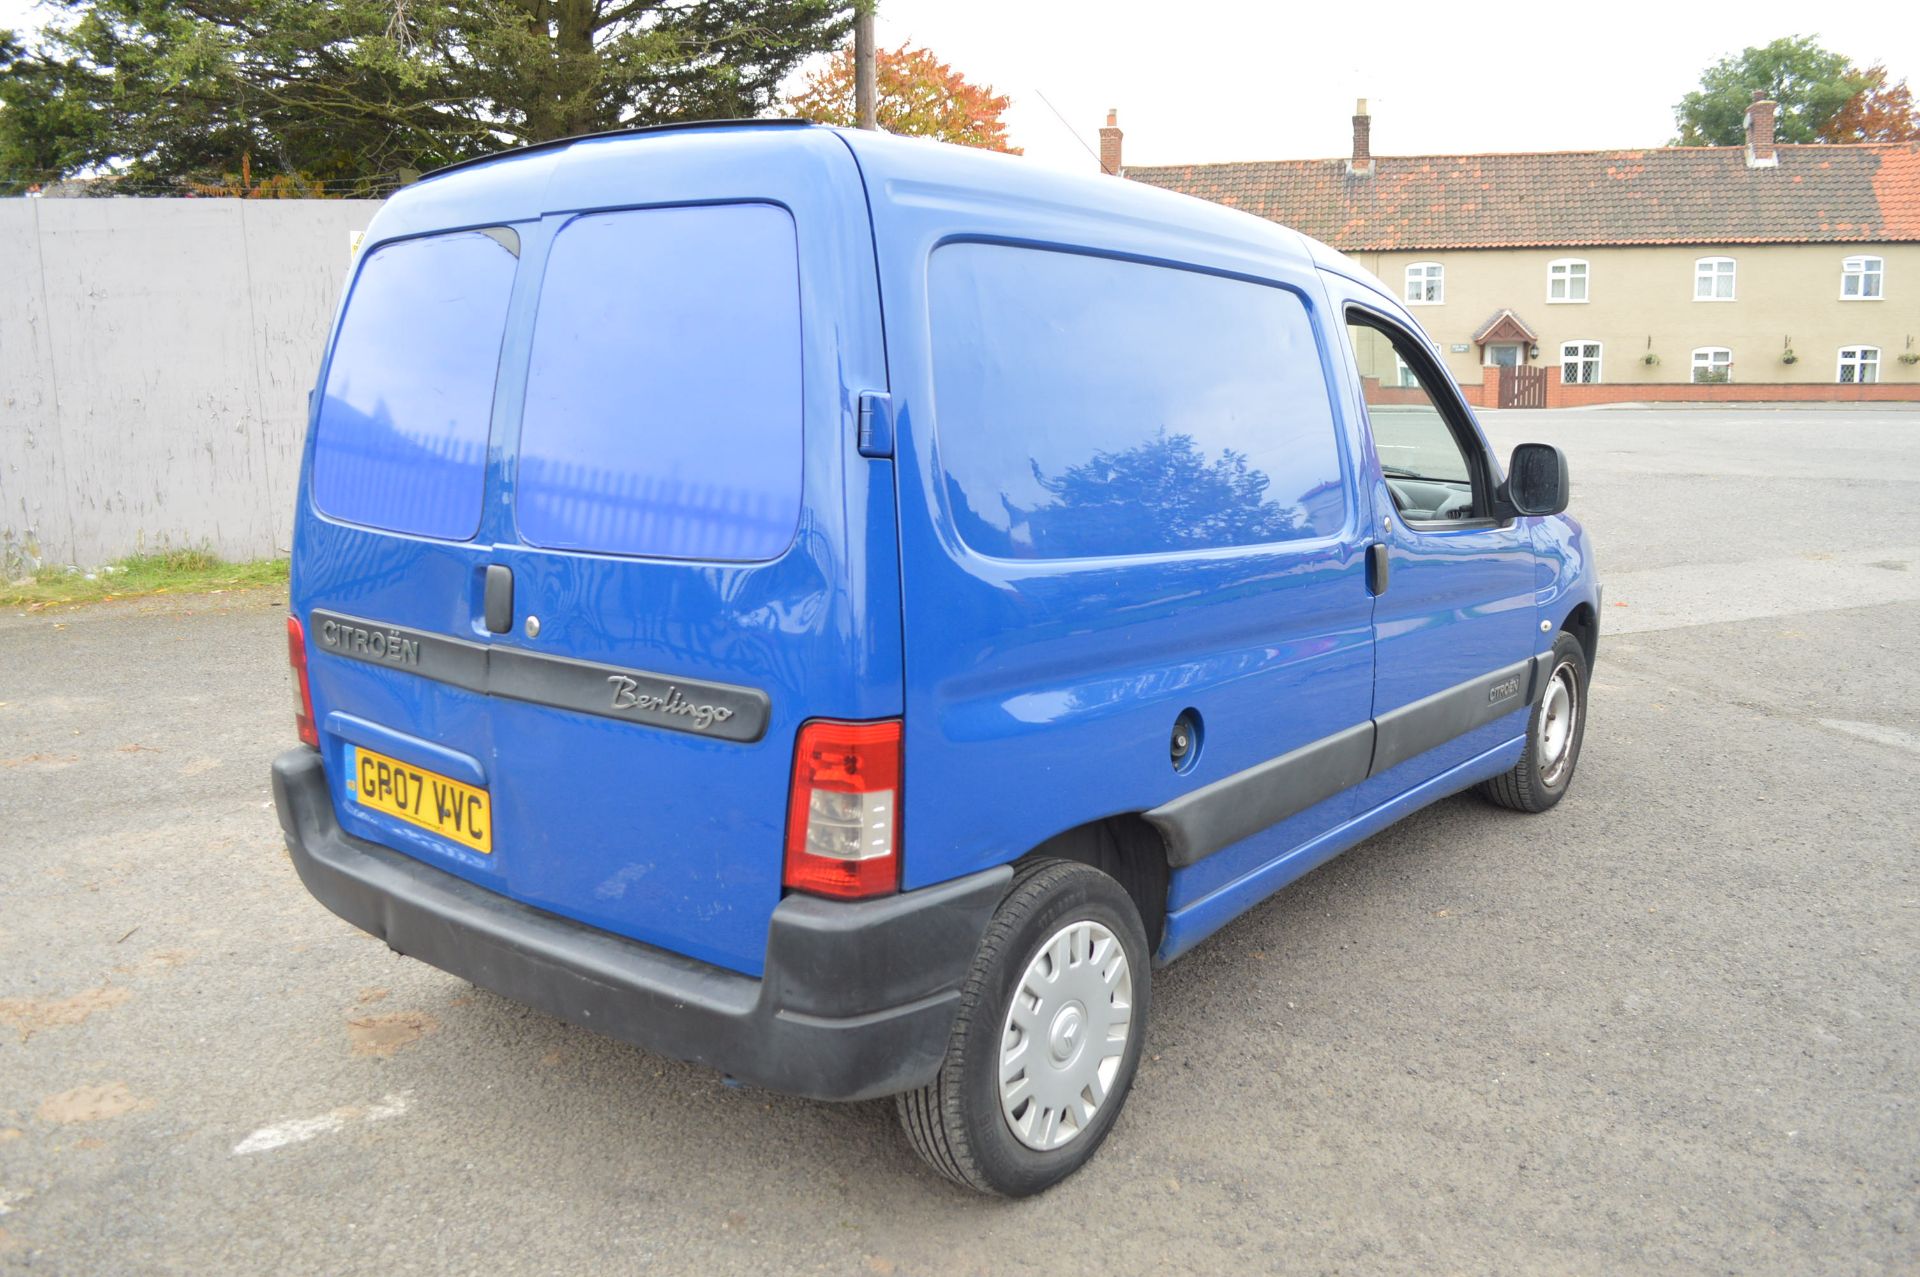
x: 857, y: 1000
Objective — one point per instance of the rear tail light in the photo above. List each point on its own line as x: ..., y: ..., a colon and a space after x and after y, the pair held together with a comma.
x: 303, y: 695
x: 843, y: 825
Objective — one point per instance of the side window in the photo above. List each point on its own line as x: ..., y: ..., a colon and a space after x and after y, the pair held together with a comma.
x: 1426, y: 284
x: 1579, y: 362
x: 1713, y: 279
x: 400, y: 442
x: 1862, y: 278
x: 1431, y: 475
x: 1859, y: 364
x: 1712, y: 364
x: 1567, y: 280
x: 1090, y: 407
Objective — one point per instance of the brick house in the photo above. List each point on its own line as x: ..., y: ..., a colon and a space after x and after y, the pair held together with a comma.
x: 1758, y: 272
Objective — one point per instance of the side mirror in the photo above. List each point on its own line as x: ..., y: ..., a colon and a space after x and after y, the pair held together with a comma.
x: 1536, y: 480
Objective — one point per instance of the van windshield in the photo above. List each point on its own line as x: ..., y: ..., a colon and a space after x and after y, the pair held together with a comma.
x: 401, y: 439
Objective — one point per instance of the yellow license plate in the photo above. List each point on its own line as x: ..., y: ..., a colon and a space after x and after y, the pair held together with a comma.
x: 445, y: 806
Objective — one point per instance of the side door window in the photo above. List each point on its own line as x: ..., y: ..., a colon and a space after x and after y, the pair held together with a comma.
x: 1434, y: 477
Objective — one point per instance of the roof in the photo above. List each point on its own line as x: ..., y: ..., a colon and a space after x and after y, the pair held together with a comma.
x: 1506, y: 325
x: 1863, y: 193
x: 561, y: 143
x: 908, y: 187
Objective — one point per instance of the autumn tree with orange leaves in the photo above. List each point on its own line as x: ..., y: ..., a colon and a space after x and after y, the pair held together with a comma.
x: 919, y: 95
x: 1880, y: 112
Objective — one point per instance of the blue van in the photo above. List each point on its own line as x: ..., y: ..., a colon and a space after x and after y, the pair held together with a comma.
x: 842, y: 609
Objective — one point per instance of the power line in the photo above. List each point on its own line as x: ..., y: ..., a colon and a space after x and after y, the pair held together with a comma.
x: 1076, y: 134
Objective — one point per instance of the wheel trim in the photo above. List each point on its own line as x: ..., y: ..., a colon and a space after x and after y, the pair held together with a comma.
x: 1559, y: 721
x: 1065, y: 1035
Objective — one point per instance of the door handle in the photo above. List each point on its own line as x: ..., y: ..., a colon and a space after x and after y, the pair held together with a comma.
x: 497, y: 606
x: 1379, y: 567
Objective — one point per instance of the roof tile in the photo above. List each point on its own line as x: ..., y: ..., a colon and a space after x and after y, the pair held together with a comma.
x: 1673, y: 195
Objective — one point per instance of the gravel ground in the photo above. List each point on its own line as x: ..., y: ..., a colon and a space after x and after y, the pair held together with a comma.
x: 1670, y: 1027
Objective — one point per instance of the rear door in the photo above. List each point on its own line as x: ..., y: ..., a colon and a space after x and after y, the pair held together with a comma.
x: 612, y: 527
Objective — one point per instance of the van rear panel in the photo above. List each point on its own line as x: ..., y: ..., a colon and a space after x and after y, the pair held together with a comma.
x: 639, y: 423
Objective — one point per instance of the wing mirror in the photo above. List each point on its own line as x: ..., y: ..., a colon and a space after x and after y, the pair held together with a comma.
x: 1536, y: 480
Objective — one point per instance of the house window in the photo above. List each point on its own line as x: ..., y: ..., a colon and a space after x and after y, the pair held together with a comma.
x: 1862, y: 278
x: 1580, y: 363
x: 1713, y: 364
x: 1713, y: 279
x: 1567, y: 280
x: 1405, y: 376
x: 1426, y: 284
x: 1859, y: 364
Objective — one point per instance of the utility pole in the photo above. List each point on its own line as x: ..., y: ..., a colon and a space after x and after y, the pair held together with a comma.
x: 865, y: 95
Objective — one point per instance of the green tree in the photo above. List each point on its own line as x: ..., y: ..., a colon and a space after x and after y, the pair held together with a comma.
x: 354, y: 91
x: 1810, y: 83
x: 42, y: 128
x: 917, y: 94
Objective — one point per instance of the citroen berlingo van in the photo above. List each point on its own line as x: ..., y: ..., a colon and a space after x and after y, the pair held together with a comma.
x: 843, y: 610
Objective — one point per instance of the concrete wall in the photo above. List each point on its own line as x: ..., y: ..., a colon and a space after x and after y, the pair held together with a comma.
x: 1642, y: 298
x: 155, y: 357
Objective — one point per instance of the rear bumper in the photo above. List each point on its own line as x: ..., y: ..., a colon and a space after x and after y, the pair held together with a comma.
x: 857, y: 1000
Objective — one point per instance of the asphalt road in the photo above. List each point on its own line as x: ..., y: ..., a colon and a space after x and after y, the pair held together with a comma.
x: 1669, y: 1027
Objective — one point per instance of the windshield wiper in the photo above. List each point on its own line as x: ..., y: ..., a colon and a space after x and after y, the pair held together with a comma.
x: 1397, y: 472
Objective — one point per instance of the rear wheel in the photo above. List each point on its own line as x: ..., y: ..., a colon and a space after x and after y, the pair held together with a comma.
x: 1554, y: 732
x: 1046, y: 1040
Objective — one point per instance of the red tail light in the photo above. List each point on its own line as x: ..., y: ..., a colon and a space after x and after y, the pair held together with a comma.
x: 303, y: 695
x: 843, y: 824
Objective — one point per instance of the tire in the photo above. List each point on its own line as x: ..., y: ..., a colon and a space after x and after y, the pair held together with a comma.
x: 1541, y: 777
x: 959, y: 1123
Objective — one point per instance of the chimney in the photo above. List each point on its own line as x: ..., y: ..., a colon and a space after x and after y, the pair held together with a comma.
x: 1110, y: 145
x: 1361, y: 165
x: 1760, y: 149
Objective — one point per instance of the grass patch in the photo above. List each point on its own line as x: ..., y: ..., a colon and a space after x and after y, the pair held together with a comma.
x: 168, y: 572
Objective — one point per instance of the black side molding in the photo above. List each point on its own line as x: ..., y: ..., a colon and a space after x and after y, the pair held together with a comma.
x: 1432, y: 721
x: 1215, y: 816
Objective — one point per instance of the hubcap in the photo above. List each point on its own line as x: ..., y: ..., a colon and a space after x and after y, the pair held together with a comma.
x: 1559, y: 715
x: 1065, y: 1035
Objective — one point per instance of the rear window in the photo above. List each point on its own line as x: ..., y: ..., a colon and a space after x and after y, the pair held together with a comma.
x: 1090, y: 407
x: 401, y: 439
x: 663, y: 403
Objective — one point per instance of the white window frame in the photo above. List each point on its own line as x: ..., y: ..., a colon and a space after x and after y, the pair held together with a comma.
x: 1709, y: 362
x: 1709, y: 271
x: 1561, y: 271
x: 1862, y: 359
x: 1432, y: 278
x: 1404, y: 377
x: 1579, y: 348
x: 1864, y: 266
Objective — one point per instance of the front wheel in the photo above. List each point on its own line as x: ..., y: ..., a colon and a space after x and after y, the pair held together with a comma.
x: 1554, y: 732
x: 1046, y: 1039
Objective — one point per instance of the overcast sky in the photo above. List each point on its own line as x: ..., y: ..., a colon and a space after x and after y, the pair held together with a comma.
x: 1260, y: 79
